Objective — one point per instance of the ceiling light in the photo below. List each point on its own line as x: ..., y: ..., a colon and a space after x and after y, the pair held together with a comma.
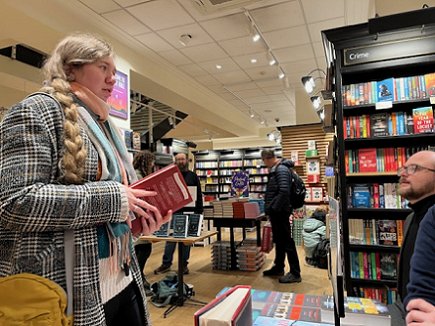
x: 254, y: 34
x: 271, y: 59
x: 309, y: 82
x: 322, y: 115
x: 262, y: 121
x: 253, y: 60
x: 251, y: 114
x: 281, y: 73
x: 185, y: 39
x: 218, y: 67
x: 316, y: 101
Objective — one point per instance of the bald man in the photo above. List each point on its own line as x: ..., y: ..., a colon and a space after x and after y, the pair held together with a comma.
x: 417, y: 185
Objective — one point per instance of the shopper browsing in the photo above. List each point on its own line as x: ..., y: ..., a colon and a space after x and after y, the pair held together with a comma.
x: 64, y: 167
x: 192, y: 180
x: 278, y: 208
x: 417, y: 185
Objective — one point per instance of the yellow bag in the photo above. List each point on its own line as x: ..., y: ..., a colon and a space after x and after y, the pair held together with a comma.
x: 28, y: 299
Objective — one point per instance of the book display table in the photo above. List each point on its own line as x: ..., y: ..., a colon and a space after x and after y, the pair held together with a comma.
x: 231, y: 223
x: 186, y: 241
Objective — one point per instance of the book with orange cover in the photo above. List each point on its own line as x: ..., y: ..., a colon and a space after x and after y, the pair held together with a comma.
x: 171, y: 189
x: 231, y: 308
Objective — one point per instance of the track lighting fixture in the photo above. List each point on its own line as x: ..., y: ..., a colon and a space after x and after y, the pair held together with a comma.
x: 309, y: 82
x: 316, y: 101
x: 281, y: 73
x: 254, y: 34
x: 271, y: 59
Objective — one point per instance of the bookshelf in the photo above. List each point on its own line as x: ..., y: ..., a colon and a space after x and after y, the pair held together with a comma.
x: 215, y: 169
x: 376, y: 134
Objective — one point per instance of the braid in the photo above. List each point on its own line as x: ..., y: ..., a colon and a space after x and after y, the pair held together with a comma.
x: 72, y: 163
x: 72, y: 52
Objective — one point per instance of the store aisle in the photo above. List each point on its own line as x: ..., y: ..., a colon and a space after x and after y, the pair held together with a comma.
x: 207, y: 282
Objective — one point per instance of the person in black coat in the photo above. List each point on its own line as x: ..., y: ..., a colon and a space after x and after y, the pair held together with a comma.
x: 417, y: 185
x: 278, y: 208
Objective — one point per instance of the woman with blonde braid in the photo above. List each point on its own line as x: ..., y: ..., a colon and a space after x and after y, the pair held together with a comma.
x: 64, y: 167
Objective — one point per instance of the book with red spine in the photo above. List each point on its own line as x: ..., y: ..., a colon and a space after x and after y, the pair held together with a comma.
x: 171, y: 189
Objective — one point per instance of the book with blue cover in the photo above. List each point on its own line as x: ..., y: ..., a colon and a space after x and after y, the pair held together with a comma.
x: 181, y: 225
x: 385, y: 90
x: 163, y: 231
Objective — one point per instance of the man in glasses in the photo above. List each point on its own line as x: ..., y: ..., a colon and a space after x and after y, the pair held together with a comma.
x: 417, y: 185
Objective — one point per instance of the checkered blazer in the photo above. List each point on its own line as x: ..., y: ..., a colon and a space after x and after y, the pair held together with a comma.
x: 35, y: 208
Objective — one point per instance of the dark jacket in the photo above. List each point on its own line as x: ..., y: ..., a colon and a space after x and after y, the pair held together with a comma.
x: 422, y: 276
x: 411, y: 228
x: 192, y: 180
x: 277, y: 199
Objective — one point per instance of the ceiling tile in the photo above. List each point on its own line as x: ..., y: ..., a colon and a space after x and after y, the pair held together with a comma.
x: 265, y: 72
x: 193, y: 70
x: 126, y: 22
x: 242, y: 86
x: 199, y: 36
x: 258, y: 101
x: 277, y: 16
x: 272, y: 90
x: 127, y: 3
x: 226, y: 63
x: 204, y: 52
x: 218, y: 89
x: 207, y: 80
x: 154, y: 42
x: 287, y: 37
x: 244, y: 61
x: 316, y: 28
x: 319, y: 51
x: 100, y: 6
x: 227, y: 27
x: 175, y: 57
x: 242, y: 46
x: 319, y: 10
x: 161, y: 14
x: 228, y: 96
x: 297, y: 67
x: 295, y: 53
x: 250, y: 93
x: 232, y: 77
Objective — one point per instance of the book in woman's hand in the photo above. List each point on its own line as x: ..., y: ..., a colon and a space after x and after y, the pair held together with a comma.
x: 171, y: 189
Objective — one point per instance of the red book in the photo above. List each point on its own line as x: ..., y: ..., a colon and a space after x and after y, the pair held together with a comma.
x: 367, y: 160
x: 172, y: 191
x: 233, y: 307
x: 423, y: 119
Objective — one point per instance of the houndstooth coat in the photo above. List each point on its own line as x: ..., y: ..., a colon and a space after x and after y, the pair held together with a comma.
x: 35, y: 209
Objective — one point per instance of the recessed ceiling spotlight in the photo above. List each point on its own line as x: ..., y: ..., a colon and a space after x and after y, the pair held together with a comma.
x: 218, y: 66
x: 253, y: 60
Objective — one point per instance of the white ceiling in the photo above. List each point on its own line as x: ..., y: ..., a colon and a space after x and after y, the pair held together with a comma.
x: 221, y: 35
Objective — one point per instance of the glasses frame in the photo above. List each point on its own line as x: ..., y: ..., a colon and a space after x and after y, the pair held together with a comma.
x: 412, y: 167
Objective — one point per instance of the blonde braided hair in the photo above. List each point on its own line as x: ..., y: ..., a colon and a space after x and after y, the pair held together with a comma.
x: 73, y: 51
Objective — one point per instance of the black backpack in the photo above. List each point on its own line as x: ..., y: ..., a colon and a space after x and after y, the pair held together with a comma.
x: 320, y: 254
x: 297, y: 190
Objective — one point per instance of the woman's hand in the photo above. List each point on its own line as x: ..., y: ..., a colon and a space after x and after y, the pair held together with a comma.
x: 420, y: 313
x: 150, y: 217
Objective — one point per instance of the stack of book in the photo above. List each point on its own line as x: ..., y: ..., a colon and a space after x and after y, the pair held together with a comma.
x: 297, y: 227
x: 252, y: 209
x: 221, y: 255
x: 217, y: 208
x: 238, y: 209
x: 227, y: 207
x: 249, y: 256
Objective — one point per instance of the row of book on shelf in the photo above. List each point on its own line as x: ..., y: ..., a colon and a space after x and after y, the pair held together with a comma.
x: 379, y: 159
x: 242, y: 305
x: 375, y: 195
x: 373, y: 265
x: 386, y: 295
x: 390, y: 89
x: 420, y: 120
x: 376, y: 232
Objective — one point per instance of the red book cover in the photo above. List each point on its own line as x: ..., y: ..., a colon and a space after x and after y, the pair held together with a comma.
x: 172, y: 191
x: 423, y: 119
x: 367, y: 160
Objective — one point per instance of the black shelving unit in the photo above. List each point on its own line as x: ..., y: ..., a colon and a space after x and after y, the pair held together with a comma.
x: 357, y: 55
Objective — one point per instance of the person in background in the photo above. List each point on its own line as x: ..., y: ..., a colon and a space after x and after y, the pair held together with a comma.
x: 65, y: 169
x: 143, y: 164
x: 277, y: 206
x: 420, y: 300
x: 417, y: 185
x: 314, y: 231
x: 192, y: 180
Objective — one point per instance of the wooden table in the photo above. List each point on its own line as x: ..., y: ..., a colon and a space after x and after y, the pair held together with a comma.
x: 231, y: 223
x: 181, y: 242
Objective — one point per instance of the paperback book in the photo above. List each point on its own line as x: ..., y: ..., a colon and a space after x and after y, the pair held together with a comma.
x: 423, y: 119
x: 181, y: 225
x: 163, y: 231
x: 195, y: 225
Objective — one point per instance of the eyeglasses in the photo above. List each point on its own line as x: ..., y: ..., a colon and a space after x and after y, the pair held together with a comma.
x: 411, y: 169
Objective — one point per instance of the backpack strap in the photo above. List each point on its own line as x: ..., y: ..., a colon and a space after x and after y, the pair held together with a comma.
x: 69, y: 265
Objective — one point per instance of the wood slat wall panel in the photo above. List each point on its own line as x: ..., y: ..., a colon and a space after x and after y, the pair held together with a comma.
x: 295, y: 138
